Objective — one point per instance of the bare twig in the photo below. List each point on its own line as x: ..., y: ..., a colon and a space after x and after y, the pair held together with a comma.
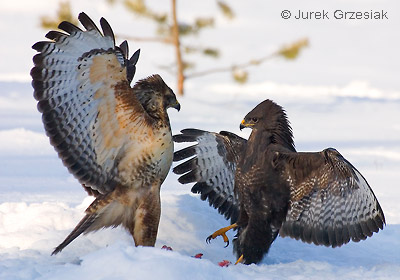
x: 289, y: 52
x: 176, y: 42
x: 253, y: 62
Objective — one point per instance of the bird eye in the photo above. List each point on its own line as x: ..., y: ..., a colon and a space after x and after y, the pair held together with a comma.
x: 254, y: 120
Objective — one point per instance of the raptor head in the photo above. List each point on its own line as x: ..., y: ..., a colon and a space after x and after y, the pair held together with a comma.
x: 155, y: 96
x: 269, y: 116
x: 266, y: 115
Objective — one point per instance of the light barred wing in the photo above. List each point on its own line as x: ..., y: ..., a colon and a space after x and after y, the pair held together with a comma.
x: 331, y: 202
x: 89, y: 110
x: 212, y: 167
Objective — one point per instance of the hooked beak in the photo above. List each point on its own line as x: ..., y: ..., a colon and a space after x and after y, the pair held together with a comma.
x: 245, y: 124
x: 242, y: 124
x: 176, y: 105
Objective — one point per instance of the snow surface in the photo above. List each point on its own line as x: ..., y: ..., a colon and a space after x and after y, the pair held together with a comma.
x: 353, y: 105
x: 40, y: 202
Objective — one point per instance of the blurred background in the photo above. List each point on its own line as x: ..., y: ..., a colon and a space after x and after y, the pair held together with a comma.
x: 340, y: 51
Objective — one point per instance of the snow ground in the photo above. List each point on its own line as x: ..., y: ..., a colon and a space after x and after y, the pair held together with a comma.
x: 342, y: 92
x: 40, y: 202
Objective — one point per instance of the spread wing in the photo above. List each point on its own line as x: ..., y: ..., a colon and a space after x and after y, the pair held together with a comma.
x: 90, y: 113
x: 212, y: 167
x: 331, y: 202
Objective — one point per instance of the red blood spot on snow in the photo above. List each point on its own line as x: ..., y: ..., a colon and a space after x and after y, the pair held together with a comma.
x: 224, y: 263
x: 165, y: 247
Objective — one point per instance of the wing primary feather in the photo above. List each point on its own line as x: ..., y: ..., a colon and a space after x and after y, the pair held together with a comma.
x: 325, y: 237
x: 380, y: 221
x: 87, y: 22
x: 131, y: 64
x: 202, y: 187
x: 218, y: 202
x: 188, y: 177
x: 42, y: 46
x: 179, y: 138
x: 193, y: 131
x: 359, y: 232
x: 345, y: 237
x: 130, y: 72
x: 188, y: 135
x: 69, y: 27
x: 225, y: 207
x: 352, y: 233
x: 186, y: 166
x: 125, y: 49
x: 38, y: 89
x: 38, y: 59
x: 331, y: 237
x: 134, y: 58
x: 36, y: 73
x: 318, y: 235
x: 296, y: 229
x: 365, y: 229
x: 56, y: 35
x: 212, y: 196
x: 203, y: 196
x: 185, y: 153
x: 306, y: 235
x: 107, y: 30
x: 372, y: 225
x: 339, y: 236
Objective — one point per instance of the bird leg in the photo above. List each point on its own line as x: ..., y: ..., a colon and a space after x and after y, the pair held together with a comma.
x: 147, y: 218
x: 240, y: 260
x: 222, y: 232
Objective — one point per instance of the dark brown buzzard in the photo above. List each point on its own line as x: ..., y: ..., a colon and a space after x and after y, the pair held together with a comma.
x: 265, y: 187
x: 115, y: 139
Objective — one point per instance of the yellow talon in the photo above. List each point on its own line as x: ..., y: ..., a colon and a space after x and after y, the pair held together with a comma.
x: 221, y: 232
x: 240, y: 260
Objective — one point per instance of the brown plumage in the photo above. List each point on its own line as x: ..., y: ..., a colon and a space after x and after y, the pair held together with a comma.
x: 116, y: 140
x: 266, y: 187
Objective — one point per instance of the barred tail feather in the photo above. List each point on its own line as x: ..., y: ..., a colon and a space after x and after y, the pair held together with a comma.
x: 80, y: 228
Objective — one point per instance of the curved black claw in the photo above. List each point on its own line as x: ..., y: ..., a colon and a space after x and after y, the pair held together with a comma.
x: 227, y: 244
x: 209, y: 238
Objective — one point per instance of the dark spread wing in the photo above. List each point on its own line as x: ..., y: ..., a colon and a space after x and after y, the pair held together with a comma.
x: 331, y: 202
x: 212, y: 167
x: 90, y: 113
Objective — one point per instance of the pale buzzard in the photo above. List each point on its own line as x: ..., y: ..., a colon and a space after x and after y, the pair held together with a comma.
x: 115, y: 139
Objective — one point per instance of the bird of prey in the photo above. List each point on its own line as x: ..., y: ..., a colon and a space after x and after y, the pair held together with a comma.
x: 114, y: 138
x: 265, y: 187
